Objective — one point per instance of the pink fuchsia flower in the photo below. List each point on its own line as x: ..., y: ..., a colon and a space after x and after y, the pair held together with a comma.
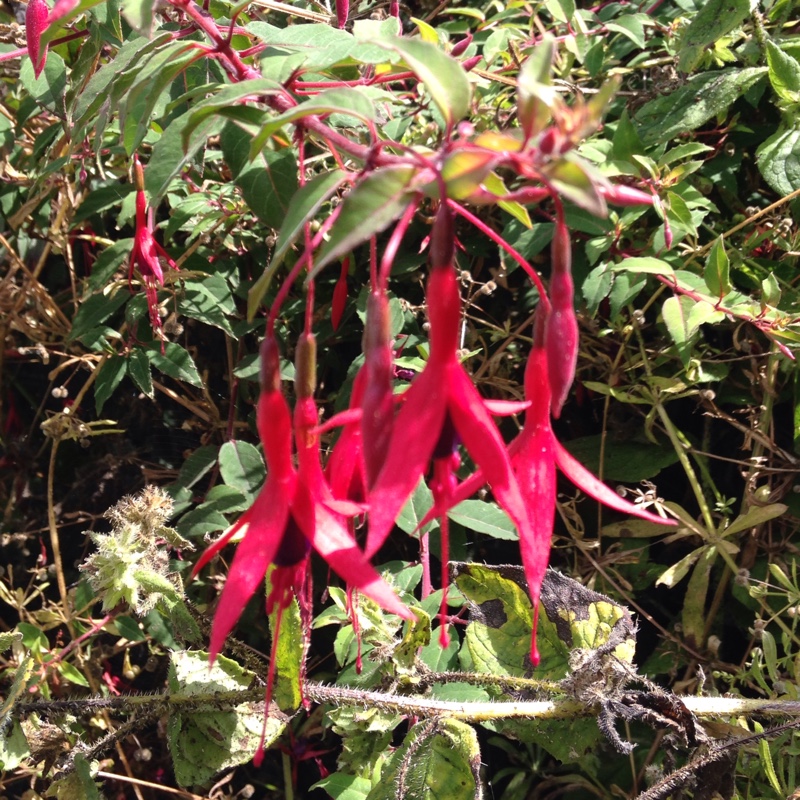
x: 535, y: 454
x: 36, y: 18
x: 146, y: 254
x: 441, y: 408
x: 293, y: 513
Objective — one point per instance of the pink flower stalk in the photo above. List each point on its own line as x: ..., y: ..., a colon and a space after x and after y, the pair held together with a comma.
x: 36, y: 18
x: 146, y: 254
x: 441, y: 408
x: 342, y: 12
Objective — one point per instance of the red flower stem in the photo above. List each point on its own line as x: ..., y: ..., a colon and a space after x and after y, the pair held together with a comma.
x: 373, y: 263
x: 499, y: 240
x: 392, y: 246
x: 287, y: 284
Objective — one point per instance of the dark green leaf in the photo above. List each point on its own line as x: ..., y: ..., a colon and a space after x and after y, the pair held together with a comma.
x: 110, y: 376
x: 784, y: 73
x: 242, y: 467
x: 686, y: 109
x: 712, y: 21
x: 95, y: 310
x: 779, y: 160
x: 139, y: 371
x: 175, y: 362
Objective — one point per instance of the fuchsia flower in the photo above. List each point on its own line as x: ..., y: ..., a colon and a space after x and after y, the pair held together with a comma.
x: 146, y: 254
x: 36, y: 18
x: 294, y: 512
x: 441, y: 408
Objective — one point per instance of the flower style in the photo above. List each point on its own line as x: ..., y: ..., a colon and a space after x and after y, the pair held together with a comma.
x: 146, y: 254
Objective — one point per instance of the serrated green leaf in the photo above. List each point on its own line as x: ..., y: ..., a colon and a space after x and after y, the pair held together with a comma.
x: 778, y: 160
x: 139, y: 372
x: 289, y: 652
x: 444, y: 765
x: 442, y: 75
x: 373, y: 204
x: 175, y: 362
x: 95, y: 310
x: 701, y: 98
x: 784, y: 73
x: 712, y: 21
x: 717, y: 272
x: 242, y: 467
x: 207, y: 740
x: 109, y: 377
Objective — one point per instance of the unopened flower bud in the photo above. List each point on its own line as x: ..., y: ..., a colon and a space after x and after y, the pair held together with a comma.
x: 459, y: 48
x: 270, y: 365
x: 35, y: 24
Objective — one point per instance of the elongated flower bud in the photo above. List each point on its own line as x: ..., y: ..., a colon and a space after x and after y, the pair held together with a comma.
x: 342, y: 12
x: 622, y: 195
x: 35, y: 24
x: 460, y: 47
x: 561, y: 338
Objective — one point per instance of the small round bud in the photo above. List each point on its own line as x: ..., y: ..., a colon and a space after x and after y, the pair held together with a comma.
x: 488, y: 288
x: 713, y: 645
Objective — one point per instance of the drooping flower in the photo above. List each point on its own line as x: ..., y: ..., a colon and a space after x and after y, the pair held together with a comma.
x: 293, y: 513
x: 441, y: 409
x: 535, y: 454
x: 146, y: 254
x: 36, y: 18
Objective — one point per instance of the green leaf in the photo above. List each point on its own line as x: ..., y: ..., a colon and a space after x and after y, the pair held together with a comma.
x: 372, y: 205
x: 209, y: 301
x: 139, y: 371
x: 139, y: 15
x: 103, y: 198
x: 632, y: 26
x: 72, y: 674
x: 109, y: 376
x: 140, y: 101
x: 175, y: 362
x: 13, y: 747
x: 717, y: 273
x: 701, y: 98
x: 484, y: 517
x: 289, y: 653
x: 498, y: 636
x: 207, y: 739
x: 227, y: 96
x: 626, y: 461
x: 770, y: 290
x: 267, y: 184
x: 693, y: 614
x: 341, y: 786
x: 778, y: 160
x: 50, y: 87
x: 442, y: 75
x: 573, y: 179
x: 108, y: 262
x: 438, y: 762
x: 784, y: 73
x: 535, y: 93
x: 644, y: 264
x: 174, y: 151
x: 95, y: 310
x: 350, y: 102
x: 242, y: 467
x: 755, y: 516
x: 415, y: 509
x: 673, y: 575
x: 200, y: 521
x: 712, y: 21
x: 676, y: 317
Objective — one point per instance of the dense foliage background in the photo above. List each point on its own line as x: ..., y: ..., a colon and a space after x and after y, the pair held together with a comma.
x: 685, y: 398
